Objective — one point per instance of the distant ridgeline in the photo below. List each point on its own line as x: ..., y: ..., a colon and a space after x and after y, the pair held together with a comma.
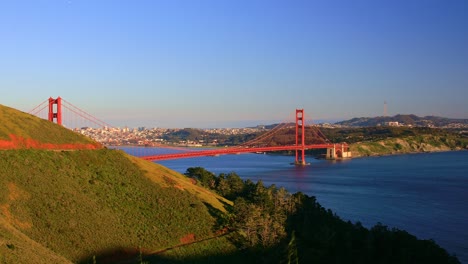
x: 406, y: 120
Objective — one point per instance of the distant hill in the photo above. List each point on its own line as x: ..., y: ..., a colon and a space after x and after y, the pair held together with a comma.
x: 412, y: 120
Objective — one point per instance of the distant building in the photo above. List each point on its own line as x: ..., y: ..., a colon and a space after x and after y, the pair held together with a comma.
x: 392, y: 123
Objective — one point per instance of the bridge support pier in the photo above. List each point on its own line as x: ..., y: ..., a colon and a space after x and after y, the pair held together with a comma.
x: 340, y: 152
x: 58, y: 114
x: 331, y: 153
x: 300, y: 138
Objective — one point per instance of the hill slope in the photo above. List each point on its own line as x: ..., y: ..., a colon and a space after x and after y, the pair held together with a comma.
x: 16, y: 247
x: 20, y: 130
x: 80, y: 203
x: 59, y: 206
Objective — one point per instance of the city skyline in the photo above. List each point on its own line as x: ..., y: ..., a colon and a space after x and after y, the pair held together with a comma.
x: 236, y: 63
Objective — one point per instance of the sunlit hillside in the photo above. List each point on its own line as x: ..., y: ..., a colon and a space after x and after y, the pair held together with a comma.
x: 77, y: 204
x: 20, y: 130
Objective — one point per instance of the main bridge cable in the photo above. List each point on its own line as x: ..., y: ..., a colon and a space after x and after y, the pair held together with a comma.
x: 323, y: 135
x: 269, y: 138
x: 97, y: 121
x: 102, y: 123
x: 326, y: 139
x: 84, y: 114
x: 316, y: 130
x: 318, y: 134
x: 270, y: 134
x: 267, y: 135
x: 35, y: 111
x: 76, y: 110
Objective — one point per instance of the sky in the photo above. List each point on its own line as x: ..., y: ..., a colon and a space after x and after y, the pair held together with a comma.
x: 236, y: 63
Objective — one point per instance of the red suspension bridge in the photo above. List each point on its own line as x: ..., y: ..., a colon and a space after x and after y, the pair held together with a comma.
x: 287, y: 136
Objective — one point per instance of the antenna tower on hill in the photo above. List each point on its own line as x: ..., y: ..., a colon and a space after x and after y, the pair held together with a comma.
x: 385, y: 108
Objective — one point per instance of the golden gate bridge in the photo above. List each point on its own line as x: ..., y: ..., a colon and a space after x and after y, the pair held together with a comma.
x: 286, y: 136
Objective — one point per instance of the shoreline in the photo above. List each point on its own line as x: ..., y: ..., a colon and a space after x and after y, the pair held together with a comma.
x: 407, y: 153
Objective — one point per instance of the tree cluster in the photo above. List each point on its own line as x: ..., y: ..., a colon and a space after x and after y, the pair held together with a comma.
x: 259, y: 213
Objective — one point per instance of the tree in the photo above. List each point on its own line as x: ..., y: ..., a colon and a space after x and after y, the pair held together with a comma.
x: 222, y: 186
x: 236, y: 185
x: 206, y: 178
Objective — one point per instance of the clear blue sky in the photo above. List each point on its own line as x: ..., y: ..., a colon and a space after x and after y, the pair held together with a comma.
x: 230, y: 63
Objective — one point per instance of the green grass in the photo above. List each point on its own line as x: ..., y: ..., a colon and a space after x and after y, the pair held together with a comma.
x: 174, y: 179
x: 15, y: 247
x: 81, y: 203
x: 376, y: 147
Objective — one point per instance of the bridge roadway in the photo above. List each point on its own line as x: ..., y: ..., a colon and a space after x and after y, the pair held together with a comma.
x: 224, y: 151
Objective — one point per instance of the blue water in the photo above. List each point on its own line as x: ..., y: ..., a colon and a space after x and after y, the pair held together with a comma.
x: 425, y: 194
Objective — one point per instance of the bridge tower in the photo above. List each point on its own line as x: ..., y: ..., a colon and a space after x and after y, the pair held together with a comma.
x: 57, y: 112
x: 300, y: 137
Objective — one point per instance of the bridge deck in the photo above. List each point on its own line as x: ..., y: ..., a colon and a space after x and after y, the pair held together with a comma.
x: 224, y: 151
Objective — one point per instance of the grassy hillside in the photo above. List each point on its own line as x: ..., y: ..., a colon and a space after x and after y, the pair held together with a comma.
x: 83, y: 203
x: 28, y: 131
x: 59, y: 206
x: 16, y: 247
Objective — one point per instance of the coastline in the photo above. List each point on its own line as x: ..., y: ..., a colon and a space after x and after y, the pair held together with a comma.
x: 406, y: 153
x: 407, y: 145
